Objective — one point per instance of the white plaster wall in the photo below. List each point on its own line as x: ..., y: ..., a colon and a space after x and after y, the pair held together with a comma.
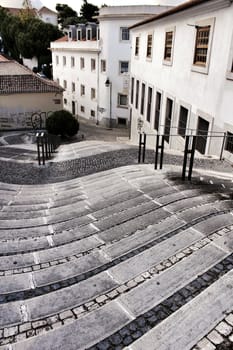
x: 16, y: 110
x: 49, y: 18
x: 208, y: 95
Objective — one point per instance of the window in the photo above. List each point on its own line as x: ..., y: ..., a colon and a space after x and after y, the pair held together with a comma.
x: 73, y: 87
x: 137, y: 46
x: 149, y: 46
x: 201, y: 45
x: 137, y: 94
x: 229, y: 142
x: 88, y: 34
x: 122, y: 100
x: 132, y: 90
x: 82, y: 90
x: 124, y: 67
x: 103, y: 66
x: 157, y: 110
x: 124, y: 33
x: 142, y: 98
x: 93, y: 93
x: 168, y: 46
x: 121, y: 121
x: 64, y: 60
x: 64, y: 84
x: 79, y: 32
x: 82, y: 63
x: 82, y: 109
x: 93, y: 64
x: 57, y: 60
x: 182, y: 121
x: 72, y: 62
x: 92, y: 113
x: 65, y: 101
x: 149, y: 102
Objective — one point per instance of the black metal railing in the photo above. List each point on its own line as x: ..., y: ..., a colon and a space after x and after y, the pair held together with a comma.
x: 46, y: 146
x: 190, y: 146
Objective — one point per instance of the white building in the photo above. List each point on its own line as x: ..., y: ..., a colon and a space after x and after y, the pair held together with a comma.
x: 39, y: 10
x: 92, y: 64
x: 24, y: 95
x: 182, y: 75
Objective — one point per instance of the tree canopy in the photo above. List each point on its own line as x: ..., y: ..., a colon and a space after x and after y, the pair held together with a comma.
x: 67, y: 16
x: 27, y: 36
x: 89, y: 11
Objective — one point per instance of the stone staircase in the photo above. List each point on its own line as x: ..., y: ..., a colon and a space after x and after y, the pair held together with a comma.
x: 126, y: 258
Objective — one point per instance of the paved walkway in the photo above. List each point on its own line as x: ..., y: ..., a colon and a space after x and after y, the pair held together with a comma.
x: 126, y: 258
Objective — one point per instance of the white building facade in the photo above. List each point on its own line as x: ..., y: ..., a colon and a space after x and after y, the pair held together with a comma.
x: 182, y: 76
x: 93, y: 63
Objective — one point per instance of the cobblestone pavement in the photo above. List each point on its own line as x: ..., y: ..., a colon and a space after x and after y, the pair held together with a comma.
x: 125, y: 258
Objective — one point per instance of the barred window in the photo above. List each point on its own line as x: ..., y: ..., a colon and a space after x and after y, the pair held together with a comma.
x: 82, y: 90
x: 124, y: 67
x: 201, y: 45
x: 137, y: 46
x: 124, y: 33
x: 93, y: 93
x: 93, y: 64
x: 168, y: 46
x: 103, y: 66
x: 122, y: 100
x: 82, y: 63
x: 149, y: 46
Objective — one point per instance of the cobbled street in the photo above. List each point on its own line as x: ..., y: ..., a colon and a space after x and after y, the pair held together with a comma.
x: 100, y: 252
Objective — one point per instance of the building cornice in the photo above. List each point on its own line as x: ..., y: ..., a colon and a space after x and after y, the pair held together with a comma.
x: 199, y: 6
x: 74, y: 49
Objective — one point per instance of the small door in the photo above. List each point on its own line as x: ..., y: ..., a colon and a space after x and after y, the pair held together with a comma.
x: 168, y: 119
x: 73, y: 107
x: 202, y: 132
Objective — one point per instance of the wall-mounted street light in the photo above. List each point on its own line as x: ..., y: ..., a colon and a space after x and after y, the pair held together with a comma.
x: 108, y: 83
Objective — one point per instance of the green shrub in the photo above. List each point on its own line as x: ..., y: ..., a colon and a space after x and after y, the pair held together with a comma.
x: 62, y: 123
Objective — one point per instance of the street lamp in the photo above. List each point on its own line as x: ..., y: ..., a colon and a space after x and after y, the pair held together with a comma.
x: 108, y: 83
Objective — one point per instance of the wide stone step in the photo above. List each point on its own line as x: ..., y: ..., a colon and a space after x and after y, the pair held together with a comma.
x: 29, y: 259
x: 38, y: 243
x: 214, y: 223
x: 153, y: 292
x: 193, y: 321
x: 126, y: 215
x: 58, y: 301
x: 121, y: 272
x: 139, y: 223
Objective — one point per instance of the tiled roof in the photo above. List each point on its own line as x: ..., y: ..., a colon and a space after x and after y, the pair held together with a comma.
x: 17, y: 79
x: 46, y: 10
x: 64, y: 38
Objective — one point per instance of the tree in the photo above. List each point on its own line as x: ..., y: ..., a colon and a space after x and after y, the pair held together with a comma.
x: 62, y: 123
x: 65, y: 14
x: 89, y: 11
x: 27, y: 36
